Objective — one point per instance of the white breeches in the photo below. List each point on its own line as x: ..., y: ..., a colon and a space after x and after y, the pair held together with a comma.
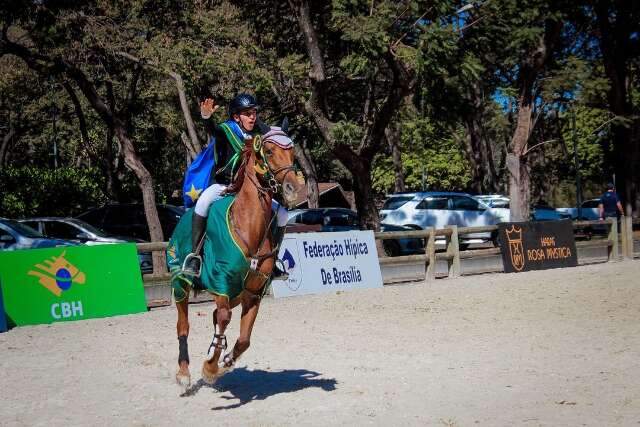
x: 214, y: 192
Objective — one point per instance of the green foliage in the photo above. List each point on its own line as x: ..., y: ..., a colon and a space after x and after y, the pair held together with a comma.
x: 468, y: 70
x: 429, y: 158
x: 31, y: 191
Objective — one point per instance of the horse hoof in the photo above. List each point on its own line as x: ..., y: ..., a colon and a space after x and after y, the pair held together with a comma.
x: 183, y: 379
x: 207, y: 376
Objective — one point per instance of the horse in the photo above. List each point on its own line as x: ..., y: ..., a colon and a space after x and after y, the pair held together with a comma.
x: 266, y: 171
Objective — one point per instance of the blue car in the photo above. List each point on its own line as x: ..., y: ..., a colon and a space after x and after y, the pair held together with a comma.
x: 14, y: 235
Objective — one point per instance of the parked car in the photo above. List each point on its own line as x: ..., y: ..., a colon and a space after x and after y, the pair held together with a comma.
x: 493, y: 200
x: 82, y: 232
x: 14, y: 235
x: 396, y: 247
x: 547, y: 213
x: 420, y: 210
x: 589, y: 210
x: 538, y: 212
x: 322, y: 219
x: 128, y: 219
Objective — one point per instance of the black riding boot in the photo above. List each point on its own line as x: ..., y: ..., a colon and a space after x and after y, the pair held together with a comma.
x: 193, y: 262
x: 279, y: 273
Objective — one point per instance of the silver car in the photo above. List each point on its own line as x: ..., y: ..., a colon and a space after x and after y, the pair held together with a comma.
x: 439, y: 209
x: 14, y: 236
x: 73, y: 229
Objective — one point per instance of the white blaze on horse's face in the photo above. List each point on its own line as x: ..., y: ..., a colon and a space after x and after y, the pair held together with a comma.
x: 281, y: 163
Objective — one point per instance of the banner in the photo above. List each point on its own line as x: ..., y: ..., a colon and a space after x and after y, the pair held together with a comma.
x: 328, y: 262
x: 3, y: 318
x: 71, y: 283
x: 537, y: 245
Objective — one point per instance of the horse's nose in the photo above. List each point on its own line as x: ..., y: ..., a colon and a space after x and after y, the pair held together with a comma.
x: 290, y: 193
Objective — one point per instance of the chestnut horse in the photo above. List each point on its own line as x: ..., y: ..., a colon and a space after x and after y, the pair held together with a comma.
x: 266, y: 171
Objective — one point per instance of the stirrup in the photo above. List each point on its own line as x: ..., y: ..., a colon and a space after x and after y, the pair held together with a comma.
x: 279, y: 271
x: 186, y: 267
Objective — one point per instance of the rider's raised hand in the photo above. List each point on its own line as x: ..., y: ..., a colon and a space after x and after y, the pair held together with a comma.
x: 208, y: 107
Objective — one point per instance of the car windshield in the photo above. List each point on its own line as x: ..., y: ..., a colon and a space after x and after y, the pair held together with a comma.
x: 90, y: 228
x: 396, y: 202
x: 23, y: 229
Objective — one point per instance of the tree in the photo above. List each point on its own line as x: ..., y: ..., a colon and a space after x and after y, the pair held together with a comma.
x: 355, y: 50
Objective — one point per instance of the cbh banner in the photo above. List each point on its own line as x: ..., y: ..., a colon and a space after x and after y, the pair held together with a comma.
x: 537, y: 245
x: 71, y: 283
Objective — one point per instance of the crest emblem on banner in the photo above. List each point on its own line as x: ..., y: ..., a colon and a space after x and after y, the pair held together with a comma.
x: 57, y: 274
x: 516, y: 250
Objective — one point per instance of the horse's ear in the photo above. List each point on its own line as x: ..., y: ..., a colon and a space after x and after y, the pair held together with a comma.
x: 262, y: 127
x: 285, y: 125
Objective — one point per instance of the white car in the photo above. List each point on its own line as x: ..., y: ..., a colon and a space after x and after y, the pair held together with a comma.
x: 439, y: 209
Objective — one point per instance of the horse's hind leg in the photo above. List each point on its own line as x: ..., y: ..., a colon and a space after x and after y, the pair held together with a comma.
x: 221, y: 319
x: 183, y: 376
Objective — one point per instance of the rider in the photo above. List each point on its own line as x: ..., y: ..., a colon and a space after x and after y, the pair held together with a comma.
x: 243, y: 123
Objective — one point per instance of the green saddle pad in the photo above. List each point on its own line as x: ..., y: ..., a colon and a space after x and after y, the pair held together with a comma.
x: 224, y: 266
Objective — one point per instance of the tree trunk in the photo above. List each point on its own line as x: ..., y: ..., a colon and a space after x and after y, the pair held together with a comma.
x: 195, y: 146
x: 529, y: 70
x: 616, y: 26
x: 474, y: 155
x: 309, y: 170
x: 4, y: 148
x: 478, y: 148
x: 145, y: 181
x: 393, y: 141
x: 519, y: 179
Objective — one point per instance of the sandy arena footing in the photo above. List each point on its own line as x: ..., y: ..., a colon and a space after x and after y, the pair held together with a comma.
x: 547, y: 348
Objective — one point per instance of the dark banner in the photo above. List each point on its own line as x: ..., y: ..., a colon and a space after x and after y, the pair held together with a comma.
x: 537, y: 245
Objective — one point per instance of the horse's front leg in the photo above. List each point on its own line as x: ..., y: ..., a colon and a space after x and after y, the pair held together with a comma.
x: 221, y: 319
x: 250, y: 307
x: 183, y: 377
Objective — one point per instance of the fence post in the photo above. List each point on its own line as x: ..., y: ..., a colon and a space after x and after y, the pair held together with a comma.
x: 430, y: 270
x: 628, y: 230
x: 623, y: 236
x: 453, y: 249
x: 613, y: 238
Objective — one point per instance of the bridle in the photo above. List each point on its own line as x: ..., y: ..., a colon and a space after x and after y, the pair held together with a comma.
x: 263, y: 168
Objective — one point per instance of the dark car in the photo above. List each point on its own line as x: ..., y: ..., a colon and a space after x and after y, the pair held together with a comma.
x: 128, y: 219
x: 82, y: 232
x: 14, y: 235
x: 322, y: 219
x: 396, y: 247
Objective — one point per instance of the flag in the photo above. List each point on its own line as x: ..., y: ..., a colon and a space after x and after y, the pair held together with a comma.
x: 198, y: 174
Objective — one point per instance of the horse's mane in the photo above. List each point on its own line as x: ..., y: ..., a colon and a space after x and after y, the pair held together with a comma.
x: 238, y: 178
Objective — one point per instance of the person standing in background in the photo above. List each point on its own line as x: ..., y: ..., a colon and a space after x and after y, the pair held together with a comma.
x: 610, y: 203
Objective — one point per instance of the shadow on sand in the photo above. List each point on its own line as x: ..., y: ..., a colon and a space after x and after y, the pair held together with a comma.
x: 246, y: 385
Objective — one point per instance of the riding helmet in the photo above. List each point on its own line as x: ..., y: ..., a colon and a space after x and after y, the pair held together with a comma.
x: 243, y: 101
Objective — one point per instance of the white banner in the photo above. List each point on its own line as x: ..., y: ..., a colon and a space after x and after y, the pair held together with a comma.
x: 328, y: 262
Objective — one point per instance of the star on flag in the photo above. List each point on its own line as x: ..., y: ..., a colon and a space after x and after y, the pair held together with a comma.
x: 194, y: 193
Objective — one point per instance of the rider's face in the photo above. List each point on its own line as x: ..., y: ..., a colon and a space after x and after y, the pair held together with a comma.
x: 247, y: 118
